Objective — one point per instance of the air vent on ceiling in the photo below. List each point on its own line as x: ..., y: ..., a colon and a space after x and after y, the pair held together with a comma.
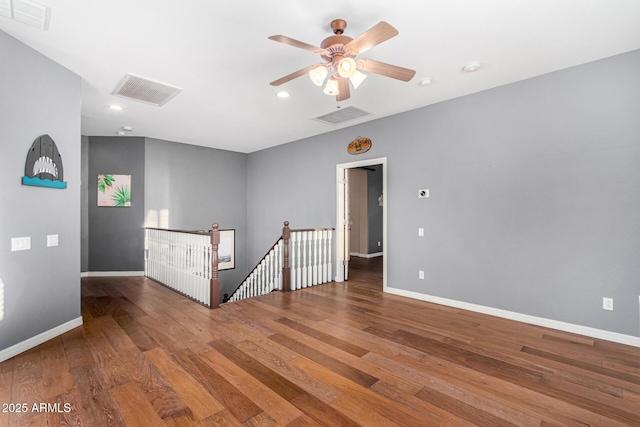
x: 342, y: 115
x: 145, y: 90
x: 5, y: 8
x: 26, y: 11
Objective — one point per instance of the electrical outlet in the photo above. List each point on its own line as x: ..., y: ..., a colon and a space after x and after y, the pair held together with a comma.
x: 378, y: 243
x: 607, y: 304
x: 421, y: 275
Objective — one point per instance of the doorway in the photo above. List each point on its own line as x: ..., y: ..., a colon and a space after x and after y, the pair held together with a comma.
x: 343, y: 249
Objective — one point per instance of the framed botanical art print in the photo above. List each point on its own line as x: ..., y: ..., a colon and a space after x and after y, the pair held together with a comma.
x: 114, y: 190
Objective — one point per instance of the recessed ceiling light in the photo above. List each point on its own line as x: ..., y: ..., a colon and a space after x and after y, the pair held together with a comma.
x: 129, y: 128
x: 116, y: 107
x: 426, y: 81
x: 121, y: 133
x: 471, y: 67
x: 282, y: 94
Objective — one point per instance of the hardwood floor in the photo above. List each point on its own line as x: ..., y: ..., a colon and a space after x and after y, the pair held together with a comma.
x: 339, y: 354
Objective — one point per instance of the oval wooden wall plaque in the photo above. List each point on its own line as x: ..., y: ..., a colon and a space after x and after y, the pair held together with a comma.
x: 359, y: 145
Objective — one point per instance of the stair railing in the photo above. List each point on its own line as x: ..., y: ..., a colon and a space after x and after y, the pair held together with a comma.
x: 185, y: 261
x: 299, y: 259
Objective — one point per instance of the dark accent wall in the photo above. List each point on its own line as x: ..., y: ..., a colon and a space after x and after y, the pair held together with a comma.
x: 116, y: 234
x: 534, y: 194
x: 84, y: 205
x: 42, y: 285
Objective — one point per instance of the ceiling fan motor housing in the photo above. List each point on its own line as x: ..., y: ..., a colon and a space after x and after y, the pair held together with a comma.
x: 335, y: 46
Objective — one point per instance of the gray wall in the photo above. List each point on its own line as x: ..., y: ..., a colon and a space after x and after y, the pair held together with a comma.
x: 374, y: 210
x: 116, y: 235
x: 190, y: 187
x: 534, y: 194
x: 42, y: 285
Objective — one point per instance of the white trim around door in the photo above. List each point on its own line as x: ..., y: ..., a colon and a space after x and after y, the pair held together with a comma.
x: 341, y: 254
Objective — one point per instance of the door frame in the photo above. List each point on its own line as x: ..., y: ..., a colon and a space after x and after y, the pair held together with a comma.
x: 340, y: 210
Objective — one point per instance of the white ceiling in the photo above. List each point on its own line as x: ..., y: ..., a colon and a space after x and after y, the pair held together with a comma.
x: 218, y: 52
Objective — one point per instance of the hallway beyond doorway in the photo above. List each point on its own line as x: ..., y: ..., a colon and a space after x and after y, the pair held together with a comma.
x: 366, y: 270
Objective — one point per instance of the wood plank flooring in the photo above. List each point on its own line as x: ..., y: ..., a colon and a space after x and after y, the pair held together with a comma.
x: 340, y: 354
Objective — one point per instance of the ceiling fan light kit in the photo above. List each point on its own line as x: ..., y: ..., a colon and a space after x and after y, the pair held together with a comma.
x: 318, y: 74
x: 332, y: 87
x: 338, y: 53
x: 357, y: 78
x: 346, y: 67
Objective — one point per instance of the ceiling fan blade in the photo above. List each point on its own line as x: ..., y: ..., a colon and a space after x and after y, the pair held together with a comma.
x: 292, y: 76
x: 387, y: 70
x: 343, y: 89
x: 302, y: 45
x: 373, y: 36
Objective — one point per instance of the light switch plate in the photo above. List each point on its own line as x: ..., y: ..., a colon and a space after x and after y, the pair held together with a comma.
x: 20, y: 244
x: 420, y: 232
x: 52, y: 240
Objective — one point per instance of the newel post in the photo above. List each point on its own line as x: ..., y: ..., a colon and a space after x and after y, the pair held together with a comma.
x: 286, y: 270
x: 214, y: 285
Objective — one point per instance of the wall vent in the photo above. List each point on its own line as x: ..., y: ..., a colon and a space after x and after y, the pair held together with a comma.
x: 26, y: 11
x: 145, y: 90
x: 5, y: 8
x: 342, y: 115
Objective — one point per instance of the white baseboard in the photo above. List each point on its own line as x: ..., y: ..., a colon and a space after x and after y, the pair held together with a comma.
x: 25, y: 345
x: 373, y: 255
x: 539, y: 321
x: 112, y: 274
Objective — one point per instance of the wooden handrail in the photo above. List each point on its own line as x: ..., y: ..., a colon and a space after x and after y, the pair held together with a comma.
x: 179, y: 231
x: 311, y: 229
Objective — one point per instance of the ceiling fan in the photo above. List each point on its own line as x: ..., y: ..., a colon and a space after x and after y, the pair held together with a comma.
x: 339, y: 59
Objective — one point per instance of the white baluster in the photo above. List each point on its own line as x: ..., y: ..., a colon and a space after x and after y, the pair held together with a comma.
x: 324, y: 256
x: 315, y: 257
x: 299, y: 264
x: 329, y: 259
x: 292, y: 261
x: 270, y: 275
x: 309, y: 245
x: 303, y: 243
x: 280, y: 255
x: 274, y: 281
